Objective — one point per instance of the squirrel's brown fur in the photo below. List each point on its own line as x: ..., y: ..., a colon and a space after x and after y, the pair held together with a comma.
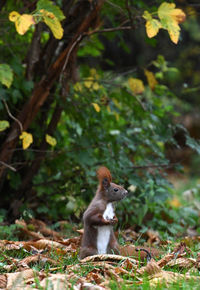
x: 99, y: 217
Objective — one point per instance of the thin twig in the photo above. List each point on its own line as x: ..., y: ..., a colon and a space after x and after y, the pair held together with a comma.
x: 112, y: 29
x: 11, y: 116
x: 8, y: 166
x: 69, y: 53
x: 128, y: 8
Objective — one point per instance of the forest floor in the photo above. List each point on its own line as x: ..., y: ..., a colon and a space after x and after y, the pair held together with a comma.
x: 38, y: 257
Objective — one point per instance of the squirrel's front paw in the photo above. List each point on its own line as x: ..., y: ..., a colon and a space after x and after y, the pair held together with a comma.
x: 114, y: 220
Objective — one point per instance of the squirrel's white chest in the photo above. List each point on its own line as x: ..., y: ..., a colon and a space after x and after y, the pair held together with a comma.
x: 103, y: 232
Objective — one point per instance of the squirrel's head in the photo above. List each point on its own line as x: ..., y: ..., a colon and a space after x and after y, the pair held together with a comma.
x: 112, y: 191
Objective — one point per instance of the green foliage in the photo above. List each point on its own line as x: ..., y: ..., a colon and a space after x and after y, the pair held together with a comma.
x: 104, y: 120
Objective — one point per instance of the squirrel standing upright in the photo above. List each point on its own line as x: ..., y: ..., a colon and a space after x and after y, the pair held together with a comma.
x: 99, y: 218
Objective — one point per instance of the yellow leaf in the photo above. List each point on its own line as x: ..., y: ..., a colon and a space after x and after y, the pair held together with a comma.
x: 23, y: 23
x: 150, y: 79
x: 152, y: 25
x: 96, y: 86
x: 96, y: 107
x: 170, y: 18
x: 54, y: 24
x: 13, y: 16
x: 136, y: 86
x: 50, y: 140
x: 88, y: 83
x: 27, y: 139
x: 175, y: 202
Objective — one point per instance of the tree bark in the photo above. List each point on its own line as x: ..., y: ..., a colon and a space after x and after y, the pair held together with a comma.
x: 42, y: 89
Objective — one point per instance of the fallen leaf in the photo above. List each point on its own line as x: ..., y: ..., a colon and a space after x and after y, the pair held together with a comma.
x: 184, y: 263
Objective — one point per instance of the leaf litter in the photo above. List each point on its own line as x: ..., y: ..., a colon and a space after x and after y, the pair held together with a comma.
x: 49, y: 261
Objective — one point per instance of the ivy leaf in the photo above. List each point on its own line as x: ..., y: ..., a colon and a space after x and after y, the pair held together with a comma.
x: 152, y: 25
x: 170, y: 18
x: 27, y: 139
x: 50, y: 140
x: 22, y: 22
x: 136, y: 86
x: 150, y: 79
x: 6, y: 75
x: 52, y: 21
x: 96, y: 107
x: 4, y: 125
x: 50, y: 7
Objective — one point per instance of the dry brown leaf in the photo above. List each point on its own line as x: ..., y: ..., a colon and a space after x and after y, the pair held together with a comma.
x: 168, y: 277
x: 162, y: 262
x: 130, y: 235
x: 87, y: 286
x: 56, y: 281
x: 182, y: 249
x: 95, y: 276
x: 151, y: 268
x: 185, y: 263
x: 107, y: 257
x: 37, y: 258
x: 153, y: 237
x: 127, y: 264
x: 18, y: 279
x: 40, y: 229
x: 10, y: 245
x: 3, y: 281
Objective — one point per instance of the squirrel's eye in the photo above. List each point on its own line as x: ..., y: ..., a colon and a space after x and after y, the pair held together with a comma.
x: 115, y: 189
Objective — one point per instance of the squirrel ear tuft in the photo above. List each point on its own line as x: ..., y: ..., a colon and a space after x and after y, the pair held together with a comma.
x: 104, y: 177
x: 105, y: 183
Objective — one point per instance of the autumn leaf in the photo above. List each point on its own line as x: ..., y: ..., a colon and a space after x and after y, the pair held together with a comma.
x: 6, y: 75
x: 22, y: 22
x: 170, y: 17
x: 52, y: 21
x: 49, y: 6
x: 50, y: 140
x: 88, y: 82
x: 136, y: 86
x: 96, y: 86
x: 150, y: 79
x: 4, y: 125
x: 13, y: 16
x: 27, y: 139
x: 152, y: 25
x: 96, y: 107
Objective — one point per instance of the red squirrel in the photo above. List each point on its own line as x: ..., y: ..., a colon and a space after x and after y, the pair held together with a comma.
x: 99, y: 218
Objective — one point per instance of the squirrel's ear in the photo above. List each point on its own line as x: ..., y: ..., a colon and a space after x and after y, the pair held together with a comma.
x: 105, y: 183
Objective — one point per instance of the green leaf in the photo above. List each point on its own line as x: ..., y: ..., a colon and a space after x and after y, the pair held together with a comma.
x: 4, y: 125
x: 50, y: 7
x: 193, y: 144
x: 6, y: 75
